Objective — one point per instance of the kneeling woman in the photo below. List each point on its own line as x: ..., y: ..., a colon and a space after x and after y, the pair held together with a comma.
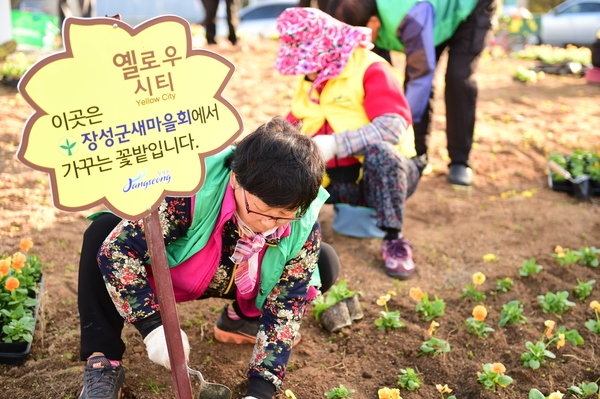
x: 250, y: 235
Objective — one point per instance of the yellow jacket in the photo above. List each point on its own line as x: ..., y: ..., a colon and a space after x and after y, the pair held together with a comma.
x: 341, y: 101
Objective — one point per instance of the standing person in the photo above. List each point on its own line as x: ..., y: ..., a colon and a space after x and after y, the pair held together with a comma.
x: 423, y: 29
x: 210, y: 25
x: 350, y: 102
x: 322, y: 4
x: 250, y: 234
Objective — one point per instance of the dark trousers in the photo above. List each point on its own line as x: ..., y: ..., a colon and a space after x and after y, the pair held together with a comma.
x: 100, y: 322
x: 210, y: 7
x: 388, y: 179
x: 464, y: 50
x: 322, y: 4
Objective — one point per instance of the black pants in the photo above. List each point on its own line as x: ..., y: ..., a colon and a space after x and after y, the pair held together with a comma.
x: 464, y: 50
x: 100, y: 322
x: 321, y: 4
x: 210, y: 7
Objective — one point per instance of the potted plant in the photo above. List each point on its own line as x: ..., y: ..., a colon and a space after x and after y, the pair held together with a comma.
x: 579, y: 163
x: 338, y: 308
x: 556, y: 181
x: 593, y: 170
x: 20, y: 287
x: 13, y: 68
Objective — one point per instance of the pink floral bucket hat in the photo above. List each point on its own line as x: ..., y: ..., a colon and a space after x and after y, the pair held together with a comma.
x: 312, y: 41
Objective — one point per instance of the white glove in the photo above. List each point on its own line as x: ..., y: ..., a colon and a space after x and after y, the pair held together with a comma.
x: 156, y: 346
x: 327, y: 145
x: 249, y: 397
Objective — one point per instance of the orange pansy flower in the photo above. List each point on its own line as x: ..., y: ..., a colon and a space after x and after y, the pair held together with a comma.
x: 498, y: 368
x: 550, y: 326
x: 432, y: 327
x: 4, y: 267
x: 18, y: 260
x: 12, y: 283
x: 479, y: 313
x: 416, y: 294
x: 26, y: 244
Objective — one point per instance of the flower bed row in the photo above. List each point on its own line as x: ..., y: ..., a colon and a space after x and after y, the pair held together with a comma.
x: 20, y: 281
x: 492, y: 376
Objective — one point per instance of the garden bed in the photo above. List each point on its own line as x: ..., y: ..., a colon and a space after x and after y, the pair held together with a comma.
x: 509, y: 212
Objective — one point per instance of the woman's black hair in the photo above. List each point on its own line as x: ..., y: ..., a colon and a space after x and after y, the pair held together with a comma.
x: 353, y: 12
x: 279, y: 165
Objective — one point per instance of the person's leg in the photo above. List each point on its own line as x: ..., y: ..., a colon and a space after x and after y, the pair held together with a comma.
x: 465, y: 47
x: 329, y: 266
x: 100, y: 322
x: 423, y: 127
x: 210, y: 8
x: 232, y: 19
x: 322, y: 4
x: 389, y: 179
x: 342, y: 187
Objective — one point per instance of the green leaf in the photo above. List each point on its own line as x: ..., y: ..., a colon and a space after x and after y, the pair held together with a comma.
x: 534, y: 364
x: 589, y: 388
x: 535, y: 394
x: 504, y: 380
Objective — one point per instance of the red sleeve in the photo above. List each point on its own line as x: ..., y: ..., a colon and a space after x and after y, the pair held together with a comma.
x: 292, y: 119
x: 325, y: 129
x: 383, y: 93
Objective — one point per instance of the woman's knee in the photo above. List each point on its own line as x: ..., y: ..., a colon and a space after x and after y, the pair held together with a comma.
x: 329, y: 266
x: 95, y: 234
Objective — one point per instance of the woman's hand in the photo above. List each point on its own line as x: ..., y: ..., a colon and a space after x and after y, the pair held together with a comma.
x: 156, y: 346
x: 327, y: 145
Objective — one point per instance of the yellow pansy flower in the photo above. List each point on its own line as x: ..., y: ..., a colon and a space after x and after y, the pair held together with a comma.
x: 478, y: 278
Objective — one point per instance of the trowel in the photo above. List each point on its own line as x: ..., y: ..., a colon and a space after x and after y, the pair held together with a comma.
x: 209, y: 390
x: 581, y: 184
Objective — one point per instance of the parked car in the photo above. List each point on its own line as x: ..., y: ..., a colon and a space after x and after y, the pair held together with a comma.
x: 572, y: 22
x: 257, y: 19
x: 135, y: 12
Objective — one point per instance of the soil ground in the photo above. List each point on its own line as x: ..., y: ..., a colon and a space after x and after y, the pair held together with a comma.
x: 518, y: 125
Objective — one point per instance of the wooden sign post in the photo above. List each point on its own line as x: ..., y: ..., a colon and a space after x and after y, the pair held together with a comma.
x: 125, y: 116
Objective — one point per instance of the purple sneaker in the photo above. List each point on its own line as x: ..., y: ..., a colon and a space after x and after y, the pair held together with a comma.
x: 397, y: 255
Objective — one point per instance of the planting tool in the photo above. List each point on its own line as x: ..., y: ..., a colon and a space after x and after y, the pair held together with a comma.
x: 581, y: 184
x: 209, y: 390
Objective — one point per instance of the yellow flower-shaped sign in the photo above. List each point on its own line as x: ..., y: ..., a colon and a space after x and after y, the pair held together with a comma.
x: 125, y: 116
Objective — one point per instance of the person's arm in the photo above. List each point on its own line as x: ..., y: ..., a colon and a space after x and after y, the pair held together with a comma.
x: 123, y: 254
x: 416, y: 32
x: 292, y: 119
x: 385, y: 106
x: 280, y: 321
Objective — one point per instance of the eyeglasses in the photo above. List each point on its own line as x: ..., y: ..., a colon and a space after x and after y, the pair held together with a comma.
x: 269, y: 217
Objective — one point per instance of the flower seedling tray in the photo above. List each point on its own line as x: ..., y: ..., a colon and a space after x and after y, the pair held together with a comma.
x: 567, y: 187
x: 15, y: 353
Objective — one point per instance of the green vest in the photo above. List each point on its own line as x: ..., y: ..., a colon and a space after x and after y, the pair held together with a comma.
x: 206, y: 213
x: 448, y: 15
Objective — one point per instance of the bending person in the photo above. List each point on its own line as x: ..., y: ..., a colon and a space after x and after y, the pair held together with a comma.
x: 423, y: 29
x: 249, y: 235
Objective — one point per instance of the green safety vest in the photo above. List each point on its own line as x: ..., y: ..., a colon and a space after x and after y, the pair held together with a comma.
x: 448, y: 16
